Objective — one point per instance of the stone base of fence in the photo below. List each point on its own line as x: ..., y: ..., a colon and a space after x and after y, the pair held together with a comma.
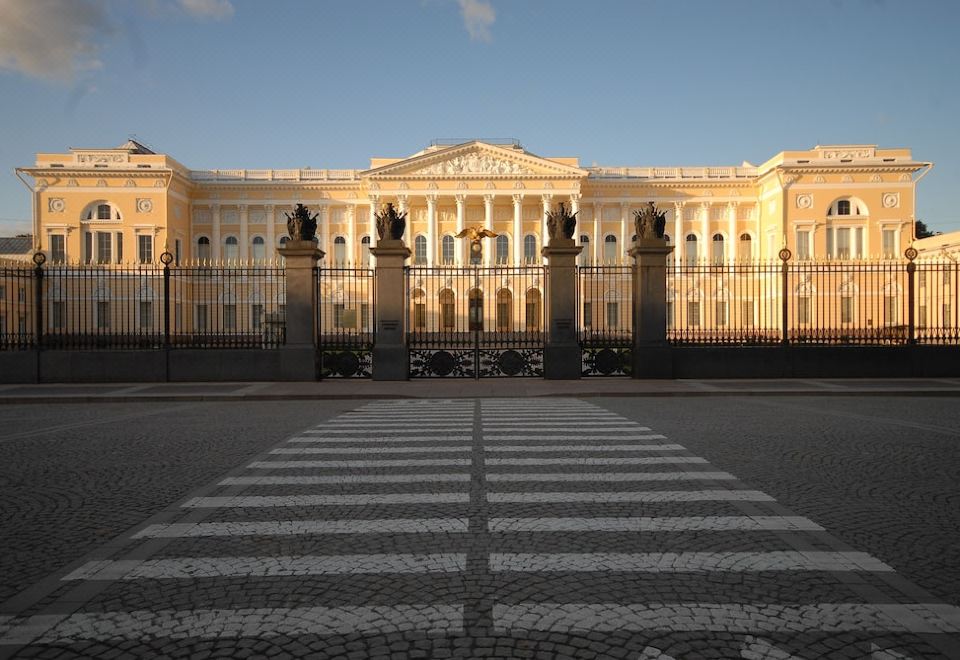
x: 653, y: 361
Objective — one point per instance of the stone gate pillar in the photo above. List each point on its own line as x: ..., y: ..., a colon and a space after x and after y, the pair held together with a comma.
x: 391, y: 358
x: 651, y: 353
x: 299, y: 350
x: 561, y: 353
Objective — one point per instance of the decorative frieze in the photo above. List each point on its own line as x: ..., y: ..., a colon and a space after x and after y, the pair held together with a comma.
x: 473, y: 163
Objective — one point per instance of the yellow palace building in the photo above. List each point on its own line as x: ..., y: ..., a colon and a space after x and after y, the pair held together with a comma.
x: 128, y: 204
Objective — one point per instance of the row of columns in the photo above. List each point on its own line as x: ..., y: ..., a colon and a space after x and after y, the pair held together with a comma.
x: 460, y: 255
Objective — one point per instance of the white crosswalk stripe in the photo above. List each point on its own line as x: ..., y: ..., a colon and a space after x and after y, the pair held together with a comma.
x: 586, y: 460
x: 306, y: 527
x: 605, y: 477
x: 364, y: 499
x: 383, y: 463
x: 319, y: 480
x: 649, y: 524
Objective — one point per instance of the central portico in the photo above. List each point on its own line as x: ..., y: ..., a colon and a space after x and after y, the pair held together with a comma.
x: 501, y: 187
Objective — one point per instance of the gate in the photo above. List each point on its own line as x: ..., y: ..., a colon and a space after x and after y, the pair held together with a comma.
x: 345, y: 313
x: 476, y: 322
x: 606, y: 326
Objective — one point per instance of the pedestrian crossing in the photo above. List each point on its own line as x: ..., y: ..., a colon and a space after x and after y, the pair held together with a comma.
x: 504, y: 517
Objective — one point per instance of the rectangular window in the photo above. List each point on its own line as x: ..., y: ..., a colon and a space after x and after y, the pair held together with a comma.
x: 22, y: 295
x: 144, y: 248
x: 419, y: 315
x: 613, y: 315
x: 177, y: 246
x: 587, y: 315
x: 693, y: 313
x: 256, y: 316
x: 119, y: 247
x: 146, y: 315
x: 946, y: 315
x: 803, y: 244
x: 669, y: 314
x: 338, y: 315
x: 22, y: 324
x: 720, y: 309
x: 365, y: 316
x: 446, y: 315
x: 57, y: 314
x: 503, y: 316
x: 58, y: 248
x: 103, y: 247
x: 922, y: 316
x: 803, y: 310
x: 533, y: 315
x: 858, y: 243
x: 746, y: 313
x: 843, y: 243
x: 230, y: 316
x: 830, y: 243
x: 889, y: 243
x: 846, y: 309
x: 447, y: 249
x: 200, y: 320
x: 103, y: 315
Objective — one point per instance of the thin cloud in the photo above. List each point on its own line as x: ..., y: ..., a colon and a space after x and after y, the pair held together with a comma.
x: 52, y: 39
x: 58, y: 39
x: 478, y: 16
x: 215, y: 9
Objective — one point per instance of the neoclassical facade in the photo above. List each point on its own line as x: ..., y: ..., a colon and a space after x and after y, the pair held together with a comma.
x: 128, y: 204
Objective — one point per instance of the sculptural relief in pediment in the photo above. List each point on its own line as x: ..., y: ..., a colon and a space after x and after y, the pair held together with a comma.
x: 474, y: 163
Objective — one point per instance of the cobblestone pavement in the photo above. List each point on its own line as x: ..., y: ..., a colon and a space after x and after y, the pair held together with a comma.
x: 504, y: 528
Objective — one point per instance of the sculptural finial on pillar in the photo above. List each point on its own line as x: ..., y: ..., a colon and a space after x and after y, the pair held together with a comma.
x: 561, y: 224
x: 650, y: 222
x: 301, y: 226
x: 391, y: 223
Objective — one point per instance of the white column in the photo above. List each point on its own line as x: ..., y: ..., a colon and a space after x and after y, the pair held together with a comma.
x: 351, y: 212
x: 597, y: 233
x: 271, y: 247
x: 517, y: 230
x: 574, y: 204
x: 431, y: 230
x: 244, y: 232
x: 460, y: 247
x: 732, y: 232
x: 679, y: 240
x: 544, y: 234
x: 402, y: 207
x: 625, y: 233
x: 215, y: 238
x: 705, y: 248
x: 487, y: 224
x: 372, y: 226
x: 325, y: 223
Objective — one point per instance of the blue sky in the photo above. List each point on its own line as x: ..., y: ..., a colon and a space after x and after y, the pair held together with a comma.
x: 261, y: 84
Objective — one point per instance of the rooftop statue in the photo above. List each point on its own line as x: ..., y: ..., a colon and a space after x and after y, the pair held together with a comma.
x: 650, y: 222
x: 391, y: 223
x: 561, y: 224
x: 301, y: 226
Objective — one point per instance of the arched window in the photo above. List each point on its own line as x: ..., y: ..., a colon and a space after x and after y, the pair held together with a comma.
x: 446, y: 250
x: 447, y: 310
x: 339, y: 250
x: 667, y: 238
x: 504, y: 309
x: 475, y: 309
x: 103, y: 212
x: 259, y: 248
x: 848, y: 206
x: 533, y: 307
x: 420, y: 250
x: 365, y: 251
x: 529, y: 249
x: 717, y: 249
x: 610, y: 249
x: 691, y: 249
x: 100, y: 210
x: 203, y: 248
x: 503, y: 249
x: 745, y: 252
x: 585, y: 252
x: 231, y: 248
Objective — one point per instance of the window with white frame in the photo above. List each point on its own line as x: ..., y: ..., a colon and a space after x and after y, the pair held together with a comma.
x: 145, y: 248
x: 610, y: 252
x: 146, y: 314
x: 58, y: 248
x: 690, y: 249
x: 177, y: 251
x: 104, y: 247
x: 203, y: 248
x: 256, y: 316
x: 420, y: 250
x: 447, y: 248
x: 747, y: 313
x: 804, y: 250
x: 529, y: 249
x: 693, y: 313
x: 585, y: 253
x: 613, y: 315
x: 365, y: 251
x: 745, y: 248
x: 845, y: 242
x: 58, y: 316
x: 846, y: 306
x: 258, y: 248
x: 231, y: 248
x: 101, y: 211
x: 339, y: 250
x: 888, y: 243
x: 588, y: 315
x: 200, y: 320
x: 502, y: 250
x: 717, y: 249
x: 803, y: 309
x: 103, y: 315
x: 720, y: 311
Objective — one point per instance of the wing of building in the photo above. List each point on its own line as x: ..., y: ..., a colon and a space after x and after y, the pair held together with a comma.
x: 129, y: 203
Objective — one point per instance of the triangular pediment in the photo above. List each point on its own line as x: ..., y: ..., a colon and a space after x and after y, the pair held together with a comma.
x: 475, y: 159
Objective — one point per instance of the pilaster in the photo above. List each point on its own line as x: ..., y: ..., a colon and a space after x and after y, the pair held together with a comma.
x: 678, y: 236
x: 270, y: 219
x: 215, y: 248
x: 517, y: 229
x: 431, y: 230
x: 487, y: 224
x: 461, y: 245
x: 244, y: 232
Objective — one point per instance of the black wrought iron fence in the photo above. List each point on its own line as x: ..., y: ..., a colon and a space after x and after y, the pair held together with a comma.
x: 605, y: 301
x: 141, y: 306
x: 344, y: 304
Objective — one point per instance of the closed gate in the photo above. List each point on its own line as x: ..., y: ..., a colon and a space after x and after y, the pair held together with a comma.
x: 476, y: 322
x: 606, y: 323
x: 344, y: 305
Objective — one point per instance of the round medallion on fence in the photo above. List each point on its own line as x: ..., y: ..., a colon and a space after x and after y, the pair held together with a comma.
x: 346, y: 363
x: 606, y: 361
x: 442, y: 363
x: 510, y: 362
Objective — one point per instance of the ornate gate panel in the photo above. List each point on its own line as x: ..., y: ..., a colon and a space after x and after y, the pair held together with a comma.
x: 345, y: 313
x: 476, y: 322
x: 606, y: 320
